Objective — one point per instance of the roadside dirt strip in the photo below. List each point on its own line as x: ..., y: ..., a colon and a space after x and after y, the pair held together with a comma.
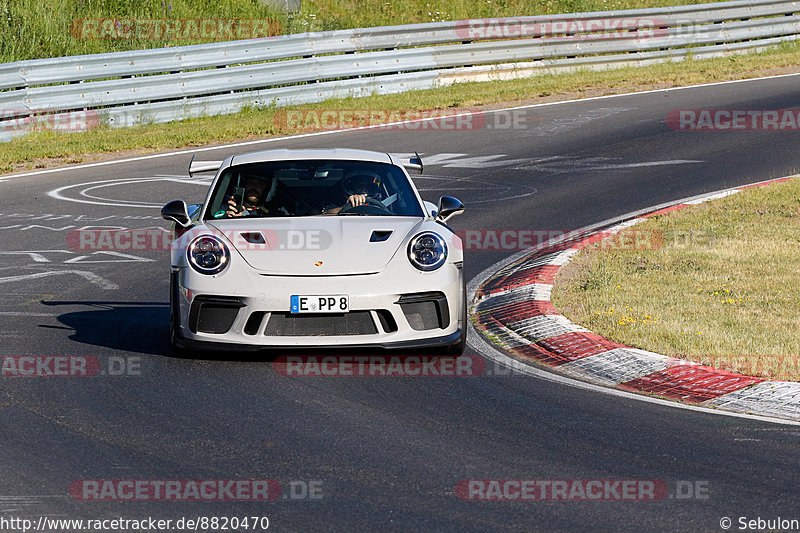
x: 513, y: 308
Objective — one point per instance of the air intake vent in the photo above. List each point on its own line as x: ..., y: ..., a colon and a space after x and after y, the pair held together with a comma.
x: 425, y: 310
x: 254, y: 322
x: 213, y: 314
x: 253, y: 237
x: 380, y: 235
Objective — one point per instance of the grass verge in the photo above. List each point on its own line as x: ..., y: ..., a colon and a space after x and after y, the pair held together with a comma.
x: 47, y: 149
x: 72, y: 27
x: 720, y: 288
x: 338, y: 14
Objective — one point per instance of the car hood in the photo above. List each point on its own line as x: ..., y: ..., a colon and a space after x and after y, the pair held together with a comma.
x: 317, y: 246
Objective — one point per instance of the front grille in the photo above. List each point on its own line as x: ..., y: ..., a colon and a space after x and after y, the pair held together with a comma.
x: 313, y: 325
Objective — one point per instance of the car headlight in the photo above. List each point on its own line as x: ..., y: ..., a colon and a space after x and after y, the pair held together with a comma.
x: 427, y: 251
x: 208, y: 254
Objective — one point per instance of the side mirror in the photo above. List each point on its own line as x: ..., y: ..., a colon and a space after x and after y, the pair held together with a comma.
x: 448, y: 207
x: 177, y: 212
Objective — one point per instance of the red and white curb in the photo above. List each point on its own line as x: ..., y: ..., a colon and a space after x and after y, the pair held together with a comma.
x: 513, y: 308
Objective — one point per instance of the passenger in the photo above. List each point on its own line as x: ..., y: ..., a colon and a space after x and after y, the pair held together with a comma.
x: 260, y: 199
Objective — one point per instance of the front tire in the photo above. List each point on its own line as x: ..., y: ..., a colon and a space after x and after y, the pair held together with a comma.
x: 175, y: 348
x: 458, y: 348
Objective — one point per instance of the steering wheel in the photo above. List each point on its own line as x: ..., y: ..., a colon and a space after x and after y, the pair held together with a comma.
x: 370, y: 202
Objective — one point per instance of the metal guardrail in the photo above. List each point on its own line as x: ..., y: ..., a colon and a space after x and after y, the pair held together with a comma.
x: 162, y: 85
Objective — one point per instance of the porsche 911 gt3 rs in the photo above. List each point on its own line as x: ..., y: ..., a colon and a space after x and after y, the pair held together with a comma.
x: 316, y: 248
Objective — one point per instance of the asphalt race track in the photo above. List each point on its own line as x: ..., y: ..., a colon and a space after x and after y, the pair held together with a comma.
x: 376, y: 454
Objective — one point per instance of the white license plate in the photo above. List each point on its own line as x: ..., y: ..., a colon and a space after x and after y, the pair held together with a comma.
x: 325, y: 303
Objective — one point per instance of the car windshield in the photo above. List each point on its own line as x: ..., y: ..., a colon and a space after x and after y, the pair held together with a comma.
x: 312, y: 188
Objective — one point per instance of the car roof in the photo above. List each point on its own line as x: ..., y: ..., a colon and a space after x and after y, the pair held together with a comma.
x: 284, y: 154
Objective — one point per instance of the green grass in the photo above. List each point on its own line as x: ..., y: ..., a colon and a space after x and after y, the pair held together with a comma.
x: 720, y: 287
x: 29, y: 31
x: 338, y: 14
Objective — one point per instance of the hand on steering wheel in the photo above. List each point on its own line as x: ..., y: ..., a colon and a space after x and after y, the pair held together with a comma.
x: 365, y: 200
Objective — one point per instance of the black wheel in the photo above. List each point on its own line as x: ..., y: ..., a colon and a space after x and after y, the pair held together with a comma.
x: 175, y: 348
x: 454, y: 350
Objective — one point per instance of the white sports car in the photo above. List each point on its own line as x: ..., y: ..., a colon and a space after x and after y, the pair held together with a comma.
x: 315, y: 248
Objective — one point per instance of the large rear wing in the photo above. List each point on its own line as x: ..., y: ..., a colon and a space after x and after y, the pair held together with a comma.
x: 410, y: 163
x: 203, y: 166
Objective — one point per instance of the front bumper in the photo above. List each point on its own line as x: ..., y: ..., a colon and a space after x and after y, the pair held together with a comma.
x: 241, y: 309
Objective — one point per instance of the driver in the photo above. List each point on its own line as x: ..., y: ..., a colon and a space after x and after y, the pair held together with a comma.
x: 357, y: 186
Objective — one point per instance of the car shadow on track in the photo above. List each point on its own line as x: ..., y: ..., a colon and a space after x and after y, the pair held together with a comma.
x: 143, y: 327
x: 138, y: 327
